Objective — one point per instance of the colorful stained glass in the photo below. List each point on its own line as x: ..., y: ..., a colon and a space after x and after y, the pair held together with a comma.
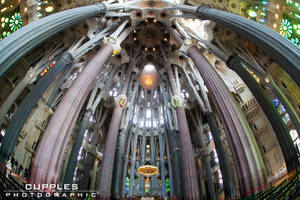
x: 286, y: 28
x: 252, y: 13
x: 15, y: 22
x: 168, y: 185
x: 276, y: 103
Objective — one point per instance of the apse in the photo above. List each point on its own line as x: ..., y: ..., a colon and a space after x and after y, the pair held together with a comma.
x: 149, y: 77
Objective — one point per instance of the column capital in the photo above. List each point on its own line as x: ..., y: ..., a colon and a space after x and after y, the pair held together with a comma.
x: 177, y: 101
x: 114, y: 43
x: 199, y: 12
x: 102, y: 8
x: 187, y: 43
x: 233, y: 60
x: 121, y: 100
x: 31, y: 75
x: 268, y: 81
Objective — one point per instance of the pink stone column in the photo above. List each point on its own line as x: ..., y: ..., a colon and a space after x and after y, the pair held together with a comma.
x: 191, y: 186
x: 107, y: 163
x: 47, y: 164
x: 235, y: 129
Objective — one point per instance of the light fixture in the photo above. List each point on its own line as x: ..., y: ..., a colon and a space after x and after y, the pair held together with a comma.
x: 252, y: 13
x: 49, y: 8
x: 267, y: 79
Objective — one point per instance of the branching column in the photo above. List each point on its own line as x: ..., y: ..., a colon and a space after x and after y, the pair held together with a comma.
x: 48, y: 160
x: 19, y: 43
x: 90, y: 110
x: 106, y: 170
x: 190, y: 170
x: 178, y: 184
x: 161, y: 149
x: 279, y: 127
x: 25, y: 108
x: 224, y: 163
x: 248, y: 163
x: 122, y: 140
x: 286, y: 54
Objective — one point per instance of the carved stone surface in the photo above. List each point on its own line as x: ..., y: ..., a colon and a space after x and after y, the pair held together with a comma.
x: 280, y: 49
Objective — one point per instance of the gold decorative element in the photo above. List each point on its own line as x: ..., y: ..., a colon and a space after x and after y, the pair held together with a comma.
x: 148, y: 170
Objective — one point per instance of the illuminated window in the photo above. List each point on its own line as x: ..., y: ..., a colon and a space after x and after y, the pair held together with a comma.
x: 276, y: 103
x: 168, y: 185
x: 15, y: 22
x: 11, y: 21
x: 286, y: 28
x: 295, y: 138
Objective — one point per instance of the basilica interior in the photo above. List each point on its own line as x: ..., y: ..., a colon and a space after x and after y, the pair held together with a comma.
x: 151, y: 99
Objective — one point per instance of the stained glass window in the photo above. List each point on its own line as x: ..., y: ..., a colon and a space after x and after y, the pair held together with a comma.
x: 10, y: 21
x: 286, y: 28
x: 276, y: 103
x: 15, y: 22
x: 168, y: 185
x: 127, y: 183
x: 290, y: 25
x: 257, y: 11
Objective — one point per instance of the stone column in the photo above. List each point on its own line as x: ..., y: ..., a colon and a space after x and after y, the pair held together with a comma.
x: 126, y: 162
x: 237, y: 132
x: 30, y: 36
x: 190, y: 170
x: 161, y: 149
x: 106, y: 169
x: 152, y: 145
x: 224, y: 164
x: 280, y: 49
x: 286, y: 103
x: 29, y: 77
x: 170, y: 168
x: 121, y: 143
x: 178, y: 184
x: 48, y: 160
x: 143, y: 147
x: 25, y: 108
x: 279, y: 127
x: 90, y: 110
x: 93, y: 173
x: 227, y: 175
x: 72, y: 162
